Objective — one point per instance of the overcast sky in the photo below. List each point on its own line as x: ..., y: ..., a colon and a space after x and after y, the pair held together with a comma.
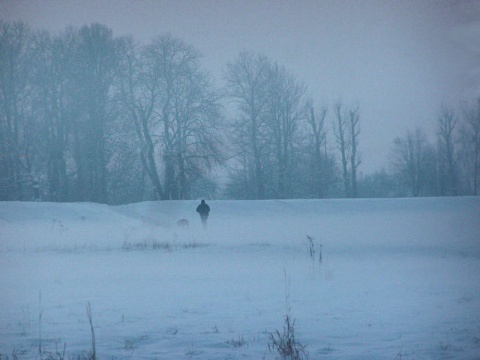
x: 398, y: 60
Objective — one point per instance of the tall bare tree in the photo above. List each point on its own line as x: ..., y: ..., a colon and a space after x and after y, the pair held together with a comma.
x: 17, y: 130
x: 354, y: 132
x: 446, y: 141
x: 140, y: 74
x: 347, y: 130
x: 176, y: 112
x: 341, y: 135
x: 410, y: 160
x: 52, y: 59
x: 470, y: 147
x: 96, y: 56
x: 316, y: 122
x: 247, y: 85
x: 284, y: 114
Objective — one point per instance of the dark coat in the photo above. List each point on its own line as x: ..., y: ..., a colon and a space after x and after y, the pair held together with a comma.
x: 203, y: 209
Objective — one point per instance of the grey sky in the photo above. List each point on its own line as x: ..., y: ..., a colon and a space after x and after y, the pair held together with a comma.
x: 398, y: 60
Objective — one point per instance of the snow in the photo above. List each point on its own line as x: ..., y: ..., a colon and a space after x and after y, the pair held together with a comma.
x: 399, y: 278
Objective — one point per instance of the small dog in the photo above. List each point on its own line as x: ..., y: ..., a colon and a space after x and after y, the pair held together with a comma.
x: 183, y: 224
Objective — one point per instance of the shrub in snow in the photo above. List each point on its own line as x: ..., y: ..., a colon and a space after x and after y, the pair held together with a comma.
x: 285, y: 343
x: 237, y: 343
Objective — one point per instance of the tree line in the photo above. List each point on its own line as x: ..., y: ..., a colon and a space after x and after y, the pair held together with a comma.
x: 87, y: 116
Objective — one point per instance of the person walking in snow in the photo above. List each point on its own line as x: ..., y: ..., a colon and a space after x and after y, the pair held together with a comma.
x: 203, y: 209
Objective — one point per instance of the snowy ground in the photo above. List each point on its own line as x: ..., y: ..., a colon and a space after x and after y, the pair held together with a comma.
x: 399, y: 279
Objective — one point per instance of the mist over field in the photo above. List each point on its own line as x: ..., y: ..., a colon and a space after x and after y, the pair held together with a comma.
x: 335, y: 146
x: 119, y: 102
x: 362, y: 279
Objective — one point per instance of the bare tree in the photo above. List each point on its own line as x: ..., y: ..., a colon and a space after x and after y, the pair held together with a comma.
x: 445, y: 134
x: 409, y: 160
x: 190, y: 115
x: 16, y: 128
x: 197, y: 131
x: 96, y: 56
x: 140, y: 94
x: 347, y: 130
x: 470, y: 147
x: 354, y: 132
x: 341, y: 135
x: 54, y: 100
x: 247, y: 80
x: 316, y: 122
x: 284, y: 114
x: 176, y: 113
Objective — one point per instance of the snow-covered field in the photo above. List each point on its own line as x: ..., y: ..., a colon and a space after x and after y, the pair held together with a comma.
x: 398, y: 279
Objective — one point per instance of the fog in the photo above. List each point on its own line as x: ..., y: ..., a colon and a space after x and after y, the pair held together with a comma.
x: 398, y: 62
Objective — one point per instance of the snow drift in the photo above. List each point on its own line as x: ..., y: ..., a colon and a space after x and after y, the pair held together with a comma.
x: 397, y: 278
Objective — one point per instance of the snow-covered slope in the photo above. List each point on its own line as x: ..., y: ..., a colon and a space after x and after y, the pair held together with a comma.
x: 442, y: 223
x: 398, y: 278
